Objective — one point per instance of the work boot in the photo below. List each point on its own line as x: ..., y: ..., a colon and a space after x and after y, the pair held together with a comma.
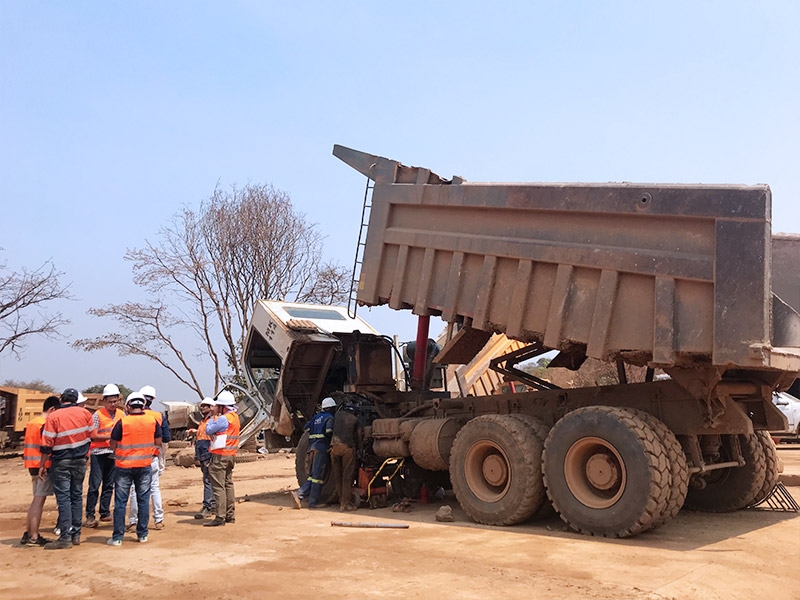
x: 91, y: 522
x: 203, y: 514
x: 58, y: 545
x: 158, y: 525
x: 106, y: 519
x: 230, y: 519
x: 296, y: 499
x: 76, y: 539
x: 215, y: 523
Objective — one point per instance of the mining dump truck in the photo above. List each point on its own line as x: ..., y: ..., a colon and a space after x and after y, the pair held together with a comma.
x: 672, y: 280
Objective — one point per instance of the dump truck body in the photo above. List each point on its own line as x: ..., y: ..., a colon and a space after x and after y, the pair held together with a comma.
x: 17, y: 407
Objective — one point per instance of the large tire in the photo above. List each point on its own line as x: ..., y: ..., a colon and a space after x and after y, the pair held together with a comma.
x: 245, y: 457
x: 771, y: 470
x: 495, y: 469
x: 606, y: 472
x: 302, y: 466
x: 678, y: 467
x: 733, y: 488
x: 540, y: 430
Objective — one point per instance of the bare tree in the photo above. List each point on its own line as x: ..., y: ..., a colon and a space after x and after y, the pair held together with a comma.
x: 23, y: 295
x: 204, y: 273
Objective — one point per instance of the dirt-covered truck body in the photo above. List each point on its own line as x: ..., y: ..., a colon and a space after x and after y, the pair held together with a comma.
x: 673, y: 280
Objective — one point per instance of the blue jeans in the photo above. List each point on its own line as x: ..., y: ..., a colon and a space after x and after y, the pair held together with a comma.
x: 139, y: 477
x: 67, y: 478
x: 208, y: 493
x: 312, y: 488
x: 101, y: 472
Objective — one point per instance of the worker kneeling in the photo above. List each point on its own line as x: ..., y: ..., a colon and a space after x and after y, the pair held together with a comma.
x: 135, y: 438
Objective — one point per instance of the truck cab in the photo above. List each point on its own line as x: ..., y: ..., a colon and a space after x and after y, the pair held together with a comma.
x: 296, y: 354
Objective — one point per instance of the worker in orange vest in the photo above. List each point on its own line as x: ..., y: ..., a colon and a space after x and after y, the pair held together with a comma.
x: 101, y: 457
x: 66, y: 437
x: 225, y: 427
x: 134, y: 439
x: 202, y: 454
x: 32, y: 457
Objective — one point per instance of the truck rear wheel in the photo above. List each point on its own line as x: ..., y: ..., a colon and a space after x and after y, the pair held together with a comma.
x: 495, y: 469
x: 302, y: 465
x: 771, y: 473
x: 733, y: 488
x: 540, y: 430
x: 606, y: 472
x: 678, y: 467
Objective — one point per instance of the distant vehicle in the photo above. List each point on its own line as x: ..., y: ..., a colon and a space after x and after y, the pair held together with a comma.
x: 790, y: 407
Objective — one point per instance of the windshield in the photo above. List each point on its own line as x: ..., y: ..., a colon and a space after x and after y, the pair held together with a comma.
x: 262, y: 367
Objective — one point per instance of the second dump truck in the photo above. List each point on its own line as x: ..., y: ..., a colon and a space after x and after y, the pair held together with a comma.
x: 668, y: 279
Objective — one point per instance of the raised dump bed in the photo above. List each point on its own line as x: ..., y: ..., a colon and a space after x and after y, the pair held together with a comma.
x: 665, y: 275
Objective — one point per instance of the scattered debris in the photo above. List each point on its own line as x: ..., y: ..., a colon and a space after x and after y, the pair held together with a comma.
x: 178, y: 503
x: 445, y: 514
x: 403, y: 506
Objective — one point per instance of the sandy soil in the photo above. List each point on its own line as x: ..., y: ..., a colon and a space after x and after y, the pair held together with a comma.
x: 275, y: 551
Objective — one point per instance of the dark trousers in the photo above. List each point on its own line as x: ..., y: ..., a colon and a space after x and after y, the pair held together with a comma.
x: 139, y: 477
x: 312, y: 488
x: 67, y: 478
x: 101, y: 471
x: 343, y: 470
x: 220, y: 471
x: 208, y: 493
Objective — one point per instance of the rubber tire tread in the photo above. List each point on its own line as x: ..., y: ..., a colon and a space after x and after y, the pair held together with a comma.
x: 656, y: 493
x: 245, y: 457
x: 739, y: 492
x: 540, y: 430
x: 328, y: 493
x: 520, y: 502
x: 771, y: 474
x: 679, y: 468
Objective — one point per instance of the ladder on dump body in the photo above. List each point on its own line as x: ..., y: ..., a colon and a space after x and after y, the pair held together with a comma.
x: 352, y: 304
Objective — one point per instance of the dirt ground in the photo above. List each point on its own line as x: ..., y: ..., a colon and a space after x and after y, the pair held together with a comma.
x: 275, y: 551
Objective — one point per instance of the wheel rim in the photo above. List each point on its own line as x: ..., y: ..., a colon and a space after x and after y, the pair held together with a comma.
x: 595, y: 472
x: 487, y: 471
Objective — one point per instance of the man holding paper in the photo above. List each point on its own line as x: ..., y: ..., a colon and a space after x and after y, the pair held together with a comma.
x: 224, y: 429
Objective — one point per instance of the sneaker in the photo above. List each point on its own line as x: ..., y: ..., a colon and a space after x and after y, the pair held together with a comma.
x: 76, y: 539
x: 296, y: 499
x: 159, y: 525
x: 203, y: 514
x: 23, y: 541
x: 143, y: 539
x: 106, y: 519
x: 39, y: 541
x: 215, y: 523
x: 91, y: 522
x: 113, y: 542
x: 58, y: 544
x: 130, y: 527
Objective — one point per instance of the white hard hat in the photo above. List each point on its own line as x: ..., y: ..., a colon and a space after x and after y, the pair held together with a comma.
x: 135, y: 399
x: 111, y: 390
x: 207, y: 401
x: 225, y: 398
x: 328, y: 402
x: 81, y: 398
x: 148, y: 390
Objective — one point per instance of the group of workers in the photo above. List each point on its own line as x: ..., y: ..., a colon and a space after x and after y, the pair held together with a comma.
x: 124, y: 447
x: 334, y: 435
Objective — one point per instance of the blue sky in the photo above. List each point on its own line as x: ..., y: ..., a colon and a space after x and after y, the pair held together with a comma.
x: 114, y: 115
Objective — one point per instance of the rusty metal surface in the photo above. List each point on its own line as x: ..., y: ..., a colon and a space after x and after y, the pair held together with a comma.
x: 660, y: 274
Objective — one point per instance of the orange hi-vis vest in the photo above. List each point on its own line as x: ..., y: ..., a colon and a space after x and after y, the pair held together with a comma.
x: 32, y: 454
x: 232, y: 433
x: 159, y: 419
x: 68, y: 431
x: 201, y: 430
x: 107, y: 423
x: 136, y: 447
